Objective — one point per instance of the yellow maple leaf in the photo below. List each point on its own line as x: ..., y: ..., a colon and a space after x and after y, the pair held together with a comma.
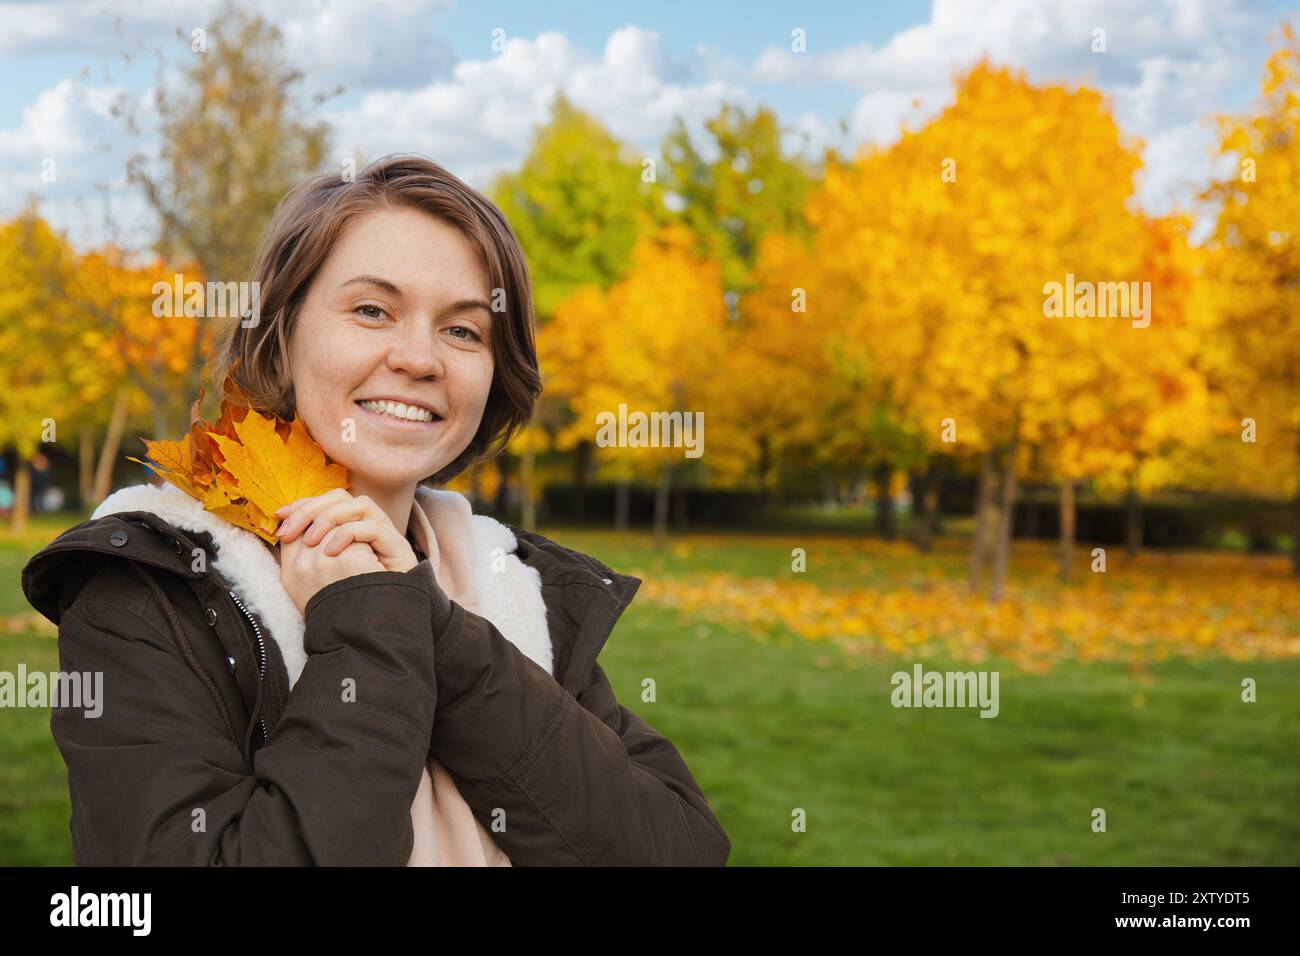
x: 270, y: 471
x: 246, y: 465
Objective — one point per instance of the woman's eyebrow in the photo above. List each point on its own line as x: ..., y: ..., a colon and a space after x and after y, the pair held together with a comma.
x: 375, y: 281
x: 468, y: 304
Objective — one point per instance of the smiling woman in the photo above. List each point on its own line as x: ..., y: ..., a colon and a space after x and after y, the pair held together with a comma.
x: 383, y: 289
x: 398, y: 680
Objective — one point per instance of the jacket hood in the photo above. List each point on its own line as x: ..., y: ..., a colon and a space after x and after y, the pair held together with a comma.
x: 548, y: 583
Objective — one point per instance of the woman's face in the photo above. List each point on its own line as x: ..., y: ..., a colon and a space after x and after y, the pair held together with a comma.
x: 399, y: 311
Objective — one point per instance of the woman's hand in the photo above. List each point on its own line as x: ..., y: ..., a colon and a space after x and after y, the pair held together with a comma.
x: 337, y: 521
x: 304, y: 569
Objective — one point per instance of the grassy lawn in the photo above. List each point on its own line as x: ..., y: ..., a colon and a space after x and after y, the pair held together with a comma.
x: 771, y: 723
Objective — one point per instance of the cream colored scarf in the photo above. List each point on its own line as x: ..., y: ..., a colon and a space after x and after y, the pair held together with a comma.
x: 446, y: 831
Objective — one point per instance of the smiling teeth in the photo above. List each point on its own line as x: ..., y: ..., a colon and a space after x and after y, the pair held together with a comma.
x: 412, y: 413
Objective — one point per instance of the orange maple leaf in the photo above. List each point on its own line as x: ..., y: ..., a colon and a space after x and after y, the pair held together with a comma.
x: 246, y: 465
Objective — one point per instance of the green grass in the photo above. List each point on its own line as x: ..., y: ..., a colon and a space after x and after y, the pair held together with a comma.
x: 1186, y: 772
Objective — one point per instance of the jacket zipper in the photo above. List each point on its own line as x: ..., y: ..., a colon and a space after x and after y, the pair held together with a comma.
x: 261, y: 651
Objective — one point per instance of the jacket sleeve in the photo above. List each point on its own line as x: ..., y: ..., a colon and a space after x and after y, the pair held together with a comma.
x: 156, y: 779
x: 575, y: 780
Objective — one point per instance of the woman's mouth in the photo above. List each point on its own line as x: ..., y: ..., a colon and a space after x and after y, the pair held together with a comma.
x: 399, y: 414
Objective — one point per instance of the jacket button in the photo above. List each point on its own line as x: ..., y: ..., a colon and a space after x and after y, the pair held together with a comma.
x: 230, y: 664
x: 117, y: 538
x: 176, y: 545
x: 608, y: 580
x: 211, y: 615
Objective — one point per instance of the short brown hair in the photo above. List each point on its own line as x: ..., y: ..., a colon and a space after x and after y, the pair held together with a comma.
x: 306, y: 224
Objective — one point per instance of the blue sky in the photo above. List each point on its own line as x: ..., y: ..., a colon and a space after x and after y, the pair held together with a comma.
x: 423, y: 75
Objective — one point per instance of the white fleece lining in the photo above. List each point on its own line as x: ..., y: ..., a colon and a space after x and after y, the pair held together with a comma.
x: 510, y: 596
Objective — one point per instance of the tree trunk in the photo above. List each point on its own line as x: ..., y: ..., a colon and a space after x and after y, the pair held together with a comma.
x: 1295, y: 534
x: 1133, y: 521
x: 1295, y: 524
x: 621, y: 504
x: 1008, y: 516
x: 502, y: 503
x: 983, y: 507
x: 581, y: 470
x: 933, y: 492
x: 1067, y: 528
x: 915, y: 478
x: 161, y: 425
x: 22, y: 494
x: 528, y: 520
x: 112, y: 443
x: 85, y: 467
x: 925, y: 504
x: 679, y: 503
x: 662, y: 488
x: 884, y: 503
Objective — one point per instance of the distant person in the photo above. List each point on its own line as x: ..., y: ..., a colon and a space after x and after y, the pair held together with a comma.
x: 40, y: 469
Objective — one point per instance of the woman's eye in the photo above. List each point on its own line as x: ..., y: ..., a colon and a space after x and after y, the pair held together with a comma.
x: 467, y: 329
x: 367, y: 309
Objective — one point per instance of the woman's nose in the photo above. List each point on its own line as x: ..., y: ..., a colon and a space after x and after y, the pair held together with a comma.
x: 415, y: 351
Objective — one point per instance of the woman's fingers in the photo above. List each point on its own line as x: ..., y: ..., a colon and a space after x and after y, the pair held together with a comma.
x: 393, y: 551
x: 341, y: 512
x: 338, y: 520
x: 297, y: 514
x: 309, y: 509
x: 339, y: 537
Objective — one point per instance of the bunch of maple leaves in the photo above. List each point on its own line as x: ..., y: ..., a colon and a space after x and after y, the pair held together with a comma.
x: 246, y: 465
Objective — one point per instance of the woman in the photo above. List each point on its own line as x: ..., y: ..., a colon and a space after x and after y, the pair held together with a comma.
x: 398, y: 681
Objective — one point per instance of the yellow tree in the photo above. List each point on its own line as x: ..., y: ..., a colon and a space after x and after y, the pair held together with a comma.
x: 770, y: 396
x: 85, y: 349
x: 147, y: 356
x: 947, y: 241
x: 1255, y: 255
x: 647, y: 346
x: 1132, y: 394
x: 37, y: 334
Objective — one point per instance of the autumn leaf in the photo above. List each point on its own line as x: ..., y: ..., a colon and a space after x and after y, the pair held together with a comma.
x: 175, y: 462
x: 246, y: 465
x: 271, y: 471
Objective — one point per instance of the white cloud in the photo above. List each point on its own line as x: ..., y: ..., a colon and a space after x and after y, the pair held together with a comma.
x: 70, y: 125
x: 1167, y: 64
x: 480, y: 119
x: 1164, y: 64
x: 392, y: 43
